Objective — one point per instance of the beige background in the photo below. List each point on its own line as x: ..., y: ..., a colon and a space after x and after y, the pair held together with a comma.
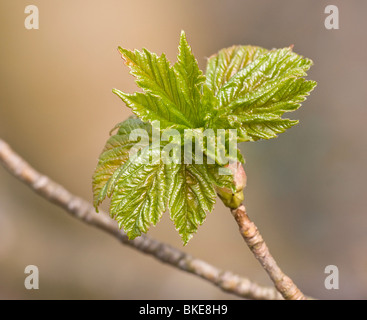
x: 306, y: 189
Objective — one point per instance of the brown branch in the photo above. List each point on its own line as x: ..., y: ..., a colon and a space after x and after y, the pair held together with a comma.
x: 84, y: 211
x: 257, y: 245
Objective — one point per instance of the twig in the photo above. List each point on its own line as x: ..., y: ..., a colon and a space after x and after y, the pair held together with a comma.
x: 257, y: 245
x: 84, y: 211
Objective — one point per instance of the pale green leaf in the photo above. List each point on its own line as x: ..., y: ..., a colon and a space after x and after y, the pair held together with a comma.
x: 192, y: 196
x: 175, y: 89
x: 151, y: 108
x: 190, y: 78
x: 114, y: 155
x: 227, y: 62
x: 255, y: 98
x: 262, y: 75
x: 209, y: 105
x: 140, y: 195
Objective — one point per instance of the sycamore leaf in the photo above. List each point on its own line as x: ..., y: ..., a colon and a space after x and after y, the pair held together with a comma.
x: 227, y: 62
x: 265, y: 129
x: 192, y: 196
x: 172, y: 92
x: 150, y: 108
x: 114, y: 155
x: 140, y: 195
x: 265, y: 73
x: 209, y: 105
x: 254, y: 99
x: 143, y: 183
x: 190, y: 78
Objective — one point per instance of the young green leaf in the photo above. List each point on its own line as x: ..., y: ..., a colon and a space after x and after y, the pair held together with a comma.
x: 140, y: 195
x: 172, y: 93
x: 264, y: 74
x: 141, y: 184
x: 227, y: 62
x: 192, y: 196
x: 190, y: 78
x: 254, y: 99
x: 150, y: 108
x: 115, y: 153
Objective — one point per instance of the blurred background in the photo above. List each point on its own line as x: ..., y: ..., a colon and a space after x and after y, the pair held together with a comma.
x: 306, y: 189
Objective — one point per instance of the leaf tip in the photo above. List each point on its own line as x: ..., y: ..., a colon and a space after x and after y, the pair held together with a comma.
x: 121, y: 51
x: 293, y: 123
x: 118, y: 92
x: 185, y: 239
x: 183, y: 41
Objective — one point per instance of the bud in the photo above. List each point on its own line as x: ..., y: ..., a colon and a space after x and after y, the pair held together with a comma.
x: 233, y: 199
